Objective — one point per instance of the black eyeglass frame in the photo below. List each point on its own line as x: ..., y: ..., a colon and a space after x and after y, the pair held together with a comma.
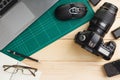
x: 6, y: 67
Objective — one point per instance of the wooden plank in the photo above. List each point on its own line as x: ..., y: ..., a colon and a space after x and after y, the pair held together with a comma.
x: 67, y: 50
x: 73, y: 71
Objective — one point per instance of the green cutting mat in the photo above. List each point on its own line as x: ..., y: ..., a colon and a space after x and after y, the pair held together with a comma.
x: 45, y: 30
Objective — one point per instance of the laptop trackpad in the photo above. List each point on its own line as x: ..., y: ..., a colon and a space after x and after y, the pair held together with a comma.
x: 14, y: 22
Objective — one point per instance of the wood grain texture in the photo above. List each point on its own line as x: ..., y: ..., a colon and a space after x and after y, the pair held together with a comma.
x: 65, y: 60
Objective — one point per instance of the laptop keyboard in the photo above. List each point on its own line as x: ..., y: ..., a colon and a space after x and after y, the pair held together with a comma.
x: 5, y: 5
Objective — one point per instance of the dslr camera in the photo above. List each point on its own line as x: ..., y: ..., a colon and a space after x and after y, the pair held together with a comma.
x: 92, y: 38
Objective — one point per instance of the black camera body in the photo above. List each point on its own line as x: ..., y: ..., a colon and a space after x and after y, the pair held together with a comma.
x: 92, y: 38
x: 93, y: 42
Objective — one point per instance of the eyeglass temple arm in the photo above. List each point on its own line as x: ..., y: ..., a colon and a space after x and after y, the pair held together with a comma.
x: 7, y: 67
x: 32, y: 72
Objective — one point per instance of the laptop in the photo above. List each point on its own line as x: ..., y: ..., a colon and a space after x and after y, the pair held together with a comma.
x: 18, y: 16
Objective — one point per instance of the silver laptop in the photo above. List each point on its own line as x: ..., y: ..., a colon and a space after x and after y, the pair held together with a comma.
x: 19, y: 17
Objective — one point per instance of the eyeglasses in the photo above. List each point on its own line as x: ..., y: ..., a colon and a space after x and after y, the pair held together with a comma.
x: 15, y: 68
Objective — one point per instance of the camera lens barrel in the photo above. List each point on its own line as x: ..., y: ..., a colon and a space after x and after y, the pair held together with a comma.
x: 112, y: 8
x: 103, y: 19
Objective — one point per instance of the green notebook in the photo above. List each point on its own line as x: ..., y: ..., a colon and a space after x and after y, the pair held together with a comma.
x: 46, y: 30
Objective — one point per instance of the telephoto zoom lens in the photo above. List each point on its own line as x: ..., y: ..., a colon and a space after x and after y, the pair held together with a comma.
x: 103, y: 19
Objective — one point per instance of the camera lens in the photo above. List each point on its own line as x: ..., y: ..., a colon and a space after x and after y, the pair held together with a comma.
x: 103, y: 19
x: 108, y: 6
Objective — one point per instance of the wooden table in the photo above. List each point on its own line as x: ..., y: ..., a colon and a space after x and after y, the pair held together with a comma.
x: 65, y: 60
